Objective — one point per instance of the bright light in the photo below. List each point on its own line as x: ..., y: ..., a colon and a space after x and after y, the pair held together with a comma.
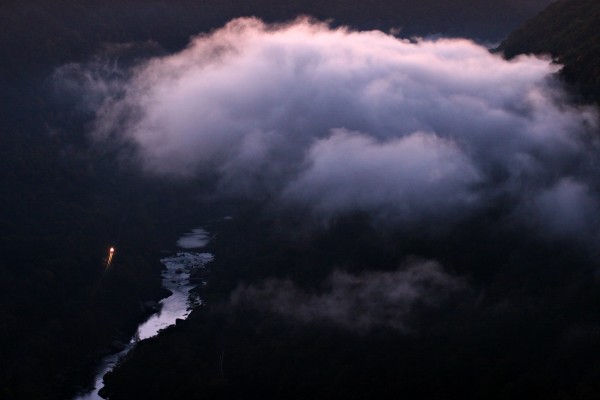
x: 111, y: 253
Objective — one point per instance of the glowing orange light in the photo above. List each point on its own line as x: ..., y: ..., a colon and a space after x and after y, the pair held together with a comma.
x: 111, y: 253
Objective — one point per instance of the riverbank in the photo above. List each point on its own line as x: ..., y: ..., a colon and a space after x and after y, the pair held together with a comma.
x: 176, y: 280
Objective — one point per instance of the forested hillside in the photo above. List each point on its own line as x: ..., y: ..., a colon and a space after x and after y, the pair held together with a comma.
x: 63, y: 200
x: 526, y: 328
x: 459, y: 349
x: 60, y: 307
x: 568, y: 31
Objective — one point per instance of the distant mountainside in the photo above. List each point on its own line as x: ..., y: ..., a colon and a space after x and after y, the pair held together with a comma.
x: 62, y: 204
x: 569, y: 30
x: 38, y: 32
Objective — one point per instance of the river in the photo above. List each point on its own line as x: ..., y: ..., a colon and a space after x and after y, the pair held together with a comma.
x: 176, y: 278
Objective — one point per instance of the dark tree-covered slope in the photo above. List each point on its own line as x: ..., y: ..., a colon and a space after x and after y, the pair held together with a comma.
x: 529, y: 330
x: 41, y: 32
x: 62, y: 204
x: 527, y: 337
x: 568, y: 30
x: 60, y: 309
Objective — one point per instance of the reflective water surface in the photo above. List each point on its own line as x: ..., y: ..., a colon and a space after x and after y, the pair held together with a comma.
x: 177, y: 306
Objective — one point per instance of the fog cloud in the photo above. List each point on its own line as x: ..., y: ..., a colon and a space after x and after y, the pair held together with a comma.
x: 566, y: 209
x: 335, y: 120
x: 416, y: 175
x: 356, y: 302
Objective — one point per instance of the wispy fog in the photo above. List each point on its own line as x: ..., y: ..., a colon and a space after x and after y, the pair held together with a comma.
x: 356, y: 302
x: 195, y: 239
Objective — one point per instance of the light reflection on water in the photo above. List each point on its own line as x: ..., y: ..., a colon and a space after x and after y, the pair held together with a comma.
x: 176, y: 306
x: 195, y: 239
x: 176, y: 279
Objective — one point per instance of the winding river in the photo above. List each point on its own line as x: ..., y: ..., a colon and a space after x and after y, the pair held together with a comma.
x: 176, y: 278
